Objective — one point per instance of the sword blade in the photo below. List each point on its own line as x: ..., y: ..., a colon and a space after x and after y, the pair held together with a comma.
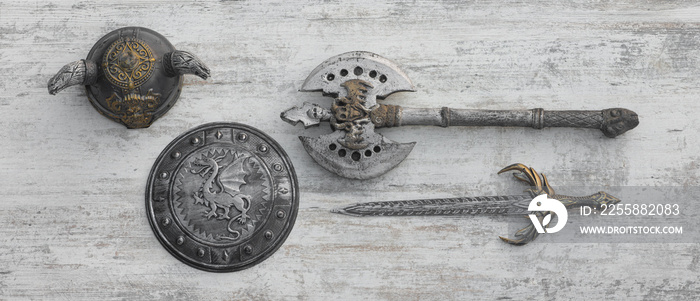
x: 487, y: 205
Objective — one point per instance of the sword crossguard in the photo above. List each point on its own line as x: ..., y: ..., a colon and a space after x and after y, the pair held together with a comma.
x: 540, y: 185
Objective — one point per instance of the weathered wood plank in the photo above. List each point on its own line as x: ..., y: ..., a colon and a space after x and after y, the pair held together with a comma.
x: 73, y: 182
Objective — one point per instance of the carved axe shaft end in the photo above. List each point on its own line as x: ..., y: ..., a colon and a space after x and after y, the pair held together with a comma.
x: 612, y: 122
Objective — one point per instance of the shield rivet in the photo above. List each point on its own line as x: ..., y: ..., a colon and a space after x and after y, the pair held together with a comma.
x: 242, y: 137
x: 165, y: 221
x: 263, y: 148
x: 268, y: 234
x: 175, y: 155
x: 277, y: 167
x: 280, y: 214
x: 164, y: 175
x: 194, y: 140
x: 200, y: 252
x: 180, y: 240
x: 248, y: 249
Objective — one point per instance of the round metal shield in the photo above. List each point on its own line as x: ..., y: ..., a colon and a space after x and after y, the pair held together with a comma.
x: 222, y: 197
x: 133, y: 86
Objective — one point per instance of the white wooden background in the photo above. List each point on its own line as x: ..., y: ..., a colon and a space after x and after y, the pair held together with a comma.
x: 73, y: 221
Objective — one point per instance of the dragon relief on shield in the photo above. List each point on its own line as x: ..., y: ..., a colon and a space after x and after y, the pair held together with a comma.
x: 221, y: 196
x: 223, y: 187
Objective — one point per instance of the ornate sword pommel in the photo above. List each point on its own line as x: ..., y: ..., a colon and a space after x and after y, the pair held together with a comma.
x: 132, y: 75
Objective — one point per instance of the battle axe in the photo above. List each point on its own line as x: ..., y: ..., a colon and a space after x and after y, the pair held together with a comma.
x: 358, y: 79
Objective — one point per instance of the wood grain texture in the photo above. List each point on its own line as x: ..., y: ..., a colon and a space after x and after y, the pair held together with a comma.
x: 72, y: 182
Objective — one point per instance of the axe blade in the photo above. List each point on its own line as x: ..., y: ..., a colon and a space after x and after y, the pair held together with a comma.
x: 377, y: 158
x: 384, y: 75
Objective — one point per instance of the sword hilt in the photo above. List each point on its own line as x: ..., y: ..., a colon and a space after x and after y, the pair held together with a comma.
x: 540, y: 185
x: 612, y: 122
x: 529, y: 233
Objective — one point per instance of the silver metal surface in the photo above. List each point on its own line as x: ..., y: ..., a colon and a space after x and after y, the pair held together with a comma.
x: 357, y: 79
x: 181, y: 62
x: 308, y: 114
x: 386, y: 77
x: 222, y: 197
x: 70, y: 75
x: 497, y: 205
x: 383, y: 156
x: 485, y: 205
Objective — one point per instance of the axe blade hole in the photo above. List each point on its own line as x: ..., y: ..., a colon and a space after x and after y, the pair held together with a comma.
x: 330, y: 77
x: 377, y: 149
x: 373, y: 74
x: 343, y: 72
x: 382, y: 78
x: 341, y: 153
x: 356, y: 156
x: 332, y: 146
x: 358, y: 71
x: 368, y: 153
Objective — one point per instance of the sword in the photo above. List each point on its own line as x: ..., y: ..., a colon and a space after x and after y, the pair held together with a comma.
x: 486, y: 205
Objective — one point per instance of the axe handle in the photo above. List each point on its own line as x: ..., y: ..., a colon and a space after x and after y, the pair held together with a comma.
x: 612, y: 122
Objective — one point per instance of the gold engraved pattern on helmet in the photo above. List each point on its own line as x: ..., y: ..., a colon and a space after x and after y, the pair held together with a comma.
x: 128, y: 63
x: 134, y: 110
